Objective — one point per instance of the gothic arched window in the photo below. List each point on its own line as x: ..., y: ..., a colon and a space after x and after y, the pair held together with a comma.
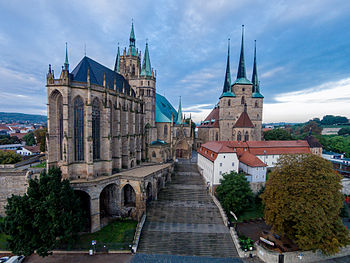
x: 229, y: 103
x: 239, y: 136
x: 60, y: 123
x: 246, y: 136
x: 216, y: 137
x: 96, y: 129
x: 243, y: 100
x: 165, y: 131
x: 256, y: 104
x: 78, y: 129
x: 133, y: 70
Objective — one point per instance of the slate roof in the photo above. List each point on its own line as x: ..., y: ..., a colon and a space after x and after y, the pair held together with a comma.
x: 212, y: 121
x: 164, y: 110
x: 97, y: 72
x: 244, y: 121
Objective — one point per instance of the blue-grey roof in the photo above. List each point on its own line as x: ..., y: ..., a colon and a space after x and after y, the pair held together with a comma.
x: 97, y: 72
x: 164, y: 110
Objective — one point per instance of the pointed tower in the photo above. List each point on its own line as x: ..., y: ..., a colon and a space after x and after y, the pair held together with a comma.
x: 227, y: 90
x: 241, y: 73
x: 132, y: 42
x: 117, y: 61
x: 146, y: 69
x: 66, y: 64
x: 255, y: 80
x: 179, y: 119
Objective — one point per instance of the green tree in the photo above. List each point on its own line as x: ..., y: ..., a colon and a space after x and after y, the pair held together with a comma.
x: 344, y: 131
x: 302, y: 200
x: 40, y: 135
x: 47, y: 214
x: 8, y: 157
x: 7, y: 139
x: 234, y: 193
x: 330, y: 120
x: 277, y: 135
x: 29, y: 139
x: 313, y: 127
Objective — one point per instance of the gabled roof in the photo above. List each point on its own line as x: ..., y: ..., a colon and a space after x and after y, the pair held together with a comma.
x: 97, y: 72
x: 164, y: 110
x: 313, y: 142
x: 212, y: 121
x: 244, y: 121
x: 251, y: 160
x: 218, y: 146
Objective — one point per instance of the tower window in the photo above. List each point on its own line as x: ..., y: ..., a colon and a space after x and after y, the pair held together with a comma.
x: 246, y: 136
x: 239, y: 136
x: 256, y: 104
x: 141, y: 82
x: 243, y: 89
x: 243, y: 101
x: 229, y: 102
x: 148, y: 83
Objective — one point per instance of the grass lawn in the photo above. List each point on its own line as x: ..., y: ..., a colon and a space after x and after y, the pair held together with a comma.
x: 40, y: 165
x: 251, y: 213
x: 117, y: 235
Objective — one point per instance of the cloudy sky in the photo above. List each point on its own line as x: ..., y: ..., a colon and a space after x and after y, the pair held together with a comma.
x: 303, y: 49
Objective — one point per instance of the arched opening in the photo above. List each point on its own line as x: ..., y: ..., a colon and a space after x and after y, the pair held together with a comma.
x: 129, y: 196
x: 84, y: 199
x: 132, y: 163
x: 165, y: 131
x: 154, y: 154
x: 242, y: 100
x: 246, y: 136
x: 239, y: 136
x: 217, y: 137
x: 149, y: 192
x: 78, y: 129
x: 108, y: 203
x: 159, y: 184
x: 229, y: 103
x: 56, y: 123
x: 96, y: 138
x: 133, y: 70
x: 256, y: 104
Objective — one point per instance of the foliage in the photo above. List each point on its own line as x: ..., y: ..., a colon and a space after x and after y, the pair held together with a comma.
x: 7, y: 139
x: 29, y: 139
x: 344, y: 213
x: 245, y: 242
x: 312, y: 126
x: 330, y: 119
x: 303, y: 200
x: 9, y: 157
x: 277, y: 135
x: 47, y: 214
x: 344, y: 131
x: 339, y: 144
x: 40, y: 165
x: 40, y: 135
x: 234, y: 193
x: 21, y: 117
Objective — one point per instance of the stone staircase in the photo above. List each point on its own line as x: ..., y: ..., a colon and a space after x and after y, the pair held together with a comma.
x: 185, y: 221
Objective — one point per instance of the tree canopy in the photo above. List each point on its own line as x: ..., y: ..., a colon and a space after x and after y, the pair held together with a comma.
x: 29, y: 139
x: 302, y: 200
x: 9, y: 157
x: 234, y: 192
x: 40, y: 135
x: 330, y: 120
x: 344, y: 131
x: 48, y: 214
x: 7, y: 139
x: 277, y: 134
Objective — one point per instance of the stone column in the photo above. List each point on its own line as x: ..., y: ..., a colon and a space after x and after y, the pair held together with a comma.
x: 95, y: 213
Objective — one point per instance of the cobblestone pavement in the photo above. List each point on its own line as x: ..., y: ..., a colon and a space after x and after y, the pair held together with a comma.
x: 185, y: 221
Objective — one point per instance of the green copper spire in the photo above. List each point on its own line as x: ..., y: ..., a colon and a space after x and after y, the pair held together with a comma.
x: 227, y: 90
x: 255, y: 80
x: 117, y: 61
x: 146, y: 69
x: 241, y: 74
x: 132, y: 42
x: 66, y: 64
x: 179, y: 114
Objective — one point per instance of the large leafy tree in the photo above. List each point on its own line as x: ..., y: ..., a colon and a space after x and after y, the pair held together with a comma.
x: 40, y: 135
x: 9, y: 157
x: 48, y: 214
x: 29, y: 139
x: 277, y: 134
x: 302, y: 200
x: 234, y: 193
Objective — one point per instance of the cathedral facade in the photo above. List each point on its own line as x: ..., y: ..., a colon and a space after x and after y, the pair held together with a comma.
x: 103, y: 120
x: 238, y: 114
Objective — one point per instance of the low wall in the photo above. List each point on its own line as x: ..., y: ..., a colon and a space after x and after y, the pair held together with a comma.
x: 297, y: 256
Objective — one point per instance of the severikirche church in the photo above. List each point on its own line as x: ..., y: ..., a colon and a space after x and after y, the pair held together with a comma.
x: 238, y: 115
x: 102, y: 120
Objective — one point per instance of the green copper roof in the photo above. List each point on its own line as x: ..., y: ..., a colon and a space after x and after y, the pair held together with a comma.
x: 66, y: 64
x: 160, y: 116
x: 227, y: 90
x: 146, y: 69
x: 164, y: 110
x: 117, y: 61
x: 255, y: 80
x: 179, y: 114
x: 132, y: 41
x: 241, y: 74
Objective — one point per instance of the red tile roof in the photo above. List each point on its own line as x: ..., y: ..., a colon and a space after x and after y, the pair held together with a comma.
x: 214, y: 115
x: 244, y: 121
x: 33, y: 149
x: 218, y: 146
x: 251, y: 160
x: 19, y: 135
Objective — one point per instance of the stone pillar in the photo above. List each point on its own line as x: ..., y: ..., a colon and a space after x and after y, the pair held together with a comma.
x: 88, y: 137
x: 95, y: 213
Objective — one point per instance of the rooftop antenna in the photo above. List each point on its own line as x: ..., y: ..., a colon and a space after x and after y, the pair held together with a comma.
x: 85, y: 49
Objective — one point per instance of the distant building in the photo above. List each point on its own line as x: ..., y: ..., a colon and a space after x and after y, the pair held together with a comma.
x: 339, y: 162
x: 330, y: 131
x: 251, y: 157
x: 29, y: 150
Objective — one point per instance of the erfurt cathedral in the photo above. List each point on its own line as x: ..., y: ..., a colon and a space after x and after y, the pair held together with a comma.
x: 238, y: 115
x: 103, y: 120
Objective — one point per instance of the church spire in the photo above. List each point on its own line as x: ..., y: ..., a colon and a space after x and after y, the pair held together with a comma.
x: 132, y: 40
x: 66, y: 64
x: 146, y: 69
x: 227, y: 90
x: 255, y: 80
x: 241, y: 73
x: 179, y: 114
x: 117, y: 61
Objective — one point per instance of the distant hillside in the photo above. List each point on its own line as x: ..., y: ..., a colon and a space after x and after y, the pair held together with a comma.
x: 21, y: 117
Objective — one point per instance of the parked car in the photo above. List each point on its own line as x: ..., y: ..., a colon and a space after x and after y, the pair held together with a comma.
x: 15, y: 259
